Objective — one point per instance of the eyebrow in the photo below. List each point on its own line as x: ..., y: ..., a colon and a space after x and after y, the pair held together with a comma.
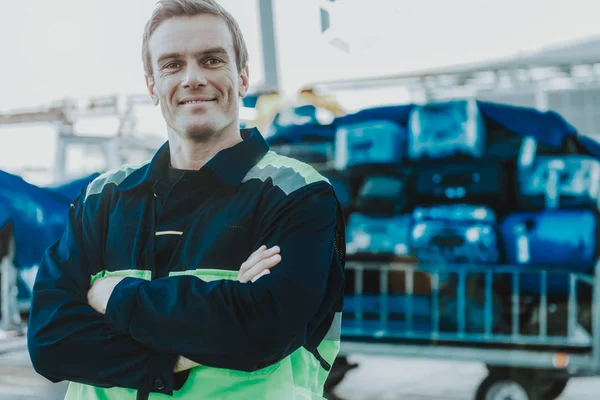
x: 218, y: 50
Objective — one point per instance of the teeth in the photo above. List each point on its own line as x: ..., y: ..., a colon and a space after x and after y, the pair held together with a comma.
x: 196, y: 101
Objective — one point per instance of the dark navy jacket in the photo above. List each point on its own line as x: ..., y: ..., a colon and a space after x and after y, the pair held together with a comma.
x: 246, y: 196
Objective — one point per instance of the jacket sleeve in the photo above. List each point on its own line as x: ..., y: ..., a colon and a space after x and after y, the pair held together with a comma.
x: 67, y: 338
x: 243, y: 326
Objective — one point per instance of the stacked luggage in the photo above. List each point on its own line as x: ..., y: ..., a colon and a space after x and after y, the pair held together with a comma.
x: 371, y: 152
x: 304, y: 133
x: 556, y: 222
x: 451, y: 187
x: 458, y: 192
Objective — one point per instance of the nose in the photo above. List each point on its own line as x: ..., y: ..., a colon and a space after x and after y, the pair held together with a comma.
x: 194, y: 77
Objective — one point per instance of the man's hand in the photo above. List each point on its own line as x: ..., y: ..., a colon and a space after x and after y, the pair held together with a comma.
x: 100, y: 292
x: 257, y: 265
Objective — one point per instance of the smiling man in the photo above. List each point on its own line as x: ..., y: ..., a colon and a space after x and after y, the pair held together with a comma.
x: 156, y: 287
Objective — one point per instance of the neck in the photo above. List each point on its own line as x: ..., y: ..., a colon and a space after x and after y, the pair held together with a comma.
x: 192, y: 154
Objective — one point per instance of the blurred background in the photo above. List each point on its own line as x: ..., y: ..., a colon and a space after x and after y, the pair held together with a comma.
x: 73, y: 104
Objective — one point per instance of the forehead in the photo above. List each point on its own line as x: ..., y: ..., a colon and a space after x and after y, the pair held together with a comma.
x: 190, y: 35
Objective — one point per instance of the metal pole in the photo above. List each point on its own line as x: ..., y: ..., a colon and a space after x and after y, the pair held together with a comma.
x: 64, y: 131
x: 11, y: 318
x: 269, y: 48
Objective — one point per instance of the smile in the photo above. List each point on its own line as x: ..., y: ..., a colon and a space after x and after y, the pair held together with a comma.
x: 196, y: 102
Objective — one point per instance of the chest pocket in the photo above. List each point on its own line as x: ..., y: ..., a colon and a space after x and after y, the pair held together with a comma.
x: 211, y: 244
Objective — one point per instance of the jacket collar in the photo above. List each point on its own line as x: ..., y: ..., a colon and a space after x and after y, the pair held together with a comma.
x: 230, y: 165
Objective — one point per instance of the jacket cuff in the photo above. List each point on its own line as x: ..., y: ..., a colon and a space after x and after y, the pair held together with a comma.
x: 121, y: 304
x: 161, y: 375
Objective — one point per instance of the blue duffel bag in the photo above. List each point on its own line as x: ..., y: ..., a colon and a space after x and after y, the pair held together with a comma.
x: 564, y: 240
x: 300, y: 133
x: 379, y: 226
x: 455, y: 234
x: 369, y: 142
x: 564, y: 181
x: 446, y: 130
x: 383, y: 195
x: 370, y: 237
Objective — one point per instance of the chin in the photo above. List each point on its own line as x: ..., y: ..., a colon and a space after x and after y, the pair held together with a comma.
x: 201, y: 130
x: 198, y: 132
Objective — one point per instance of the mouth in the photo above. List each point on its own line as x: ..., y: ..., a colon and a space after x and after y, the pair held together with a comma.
x: 193, y: 102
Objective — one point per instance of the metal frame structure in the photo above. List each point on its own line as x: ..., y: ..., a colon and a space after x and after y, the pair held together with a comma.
x: 558, y: 357
x: 66, y: 113
x: 63, y: 115
x: 563, y: 78
x: 11, y: 317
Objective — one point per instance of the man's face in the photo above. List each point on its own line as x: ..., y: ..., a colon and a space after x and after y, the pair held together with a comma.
x: 195, y: 78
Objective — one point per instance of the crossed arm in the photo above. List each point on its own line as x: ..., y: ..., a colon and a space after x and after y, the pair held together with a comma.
x: 147, y: 326
x: 256, y: 266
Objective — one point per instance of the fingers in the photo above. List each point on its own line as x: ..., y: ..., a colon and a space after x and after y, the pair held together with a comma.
x: 258, y: 251
x: 254, y: 256
x: 257, y: 256
x: 265, y: 272
x: 261, y: 266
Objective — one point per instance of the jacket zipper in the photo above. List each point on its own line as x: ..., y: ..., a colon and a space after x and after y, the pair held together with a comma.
x: 149, y: 259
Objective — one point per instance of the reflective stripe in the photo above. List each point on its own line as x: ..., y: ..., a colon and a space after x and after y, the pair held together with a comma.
x: 299, y: 374
x: 115, y: 176
x: 335, y: 330
x: 168, y: 233
x: 286, y: 173
x: 133, y: 273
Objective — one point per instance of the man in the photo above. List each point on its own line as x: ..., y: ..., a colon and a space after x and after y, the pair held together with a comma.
x: 142, y: 297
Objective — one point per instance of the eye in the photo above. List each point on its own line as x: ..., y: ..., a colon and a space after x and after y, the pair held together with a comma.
x: 213, y: 61
x: 172, y: 65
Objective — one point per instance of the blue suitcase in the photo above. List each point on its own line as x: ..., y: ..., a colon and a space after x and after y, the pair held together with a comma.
x: 372, y: 142
x: 455, y: 234
x: 463, y: 183
x: 382, y: 195
x: 305, y: 123
x: 310, y: 153
x: 566, y: 240
x: 356, y: 176
x: 568, y: 181
x: 446, y: 130
x: 377, y: 237
x: 298, y: 132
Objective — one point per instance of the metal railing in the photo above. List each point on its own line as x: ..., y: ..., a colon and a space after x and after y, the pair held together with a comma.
x: 384, y: 328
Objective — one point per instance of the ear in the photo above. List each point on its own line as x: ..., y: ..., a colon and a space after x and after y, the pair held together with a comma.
x: 244, y: 82
x: 150, y: 87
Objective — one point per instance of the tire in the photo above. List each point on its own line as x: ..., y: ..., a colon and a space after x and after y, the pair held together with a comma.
x: 556, y: 389
x: 504, y: 384
x: 498, y: 386
x: 340, y: 368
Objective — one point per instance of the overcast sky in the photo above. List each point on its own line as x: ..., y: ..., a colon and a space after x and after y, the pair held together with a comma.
x: 55, y: 48
x: 51, y: 49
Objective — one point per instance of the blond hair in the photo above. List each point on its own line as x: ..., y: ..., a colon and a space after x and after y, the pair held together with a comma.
x: 166, y: 9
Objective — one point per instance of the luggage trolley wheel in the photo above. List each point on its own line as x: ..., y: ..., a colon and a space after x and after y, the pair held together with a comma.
x: 339, y: 369
x: 521, y: 384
